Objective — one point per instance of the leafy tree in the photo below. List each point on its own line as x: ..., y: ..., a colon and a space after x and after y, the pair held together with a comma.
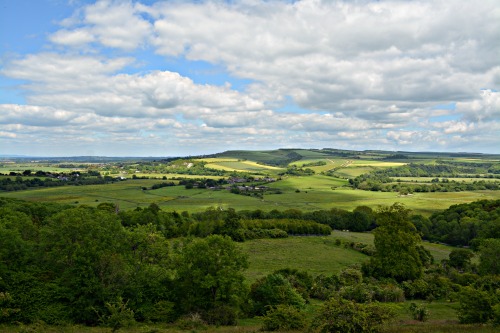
x: 489, y: 252
x: 209, y: 272
x: 83, y: 253
x: 272, y: 290
x: 396, y: 241
x: 475, y: 306
x: 460, y: 258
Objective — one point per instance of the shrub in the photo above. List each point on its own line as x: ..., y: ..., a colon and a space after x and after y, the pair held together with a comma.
x: 388, y: 293
x: 359, y: 293
x: 419, y: 312
x: 340, y: 315
x: 416, y: 289
x: 284, y: 318
x: 161, y: 311
x: 474, y: 307
x: 323, y: 286
x: 496, y: 314
x: 273, y: 290
x: 119, y: 315
x: 220, y: 315
x: 351, y: 276
x: 192, y: 321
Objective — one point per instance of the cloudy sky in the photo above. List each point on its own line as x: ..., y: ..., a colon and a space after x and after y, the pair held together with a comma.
x: 169, y: 78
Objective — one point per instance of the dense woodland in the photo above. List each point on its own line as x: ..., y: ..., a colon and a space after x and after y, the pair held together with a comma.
x: 101, y: 266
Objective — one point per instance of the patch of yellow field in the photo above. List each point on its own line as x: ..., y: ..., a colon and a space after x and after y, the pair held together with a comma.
x: 255, y: 164
x: 240, y: 166
x: 381, y: 164
x: 216, y: 160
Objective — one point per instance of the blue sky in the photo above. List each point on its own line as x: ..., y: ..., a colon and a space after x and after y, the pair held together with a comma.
x: 168, y: 78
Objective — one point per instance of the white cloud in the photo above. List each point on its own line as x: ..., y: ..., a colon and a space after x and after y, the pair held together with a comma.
x: 365, y: 74
x: 485, y: 107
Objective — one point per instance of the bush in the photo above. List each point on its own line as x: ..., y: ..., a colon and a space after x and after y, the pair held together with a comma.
x: 359, y: 293
x: 496, y: 314
x: 220, y: 315
x: 161, y: 311
x: 419, y: 312
x: 284, y: 318
x: 273, y: 290
x: 416, y: 289
x: 351, y: 276
x: 192, y: 321
x: 388, y: 293
x: 474, y: 307
x: 340, y: 315
x: 323, y: 286
x: 119, y: 315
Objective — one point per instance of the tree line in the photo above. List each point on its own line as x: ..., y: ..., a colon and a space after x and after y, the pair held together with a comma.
x: 384, y: 179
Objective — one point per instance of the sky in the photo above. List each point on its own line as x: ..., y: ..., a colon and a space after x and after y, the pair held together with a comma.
x: 179, y: 78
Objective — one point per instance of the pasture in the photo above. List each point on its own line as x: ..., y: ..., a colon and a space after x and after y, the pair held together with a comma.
x: 304, y: 193
x: 314, y: 254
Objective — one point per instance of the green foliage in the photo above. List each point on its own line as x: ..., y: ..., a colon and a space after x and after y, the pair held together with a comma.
x: 460, y: 259
x: 118, y: 316
x: 350, y: 276
x: 84, y: 251
x: 209, y: 272
x: 475, y: 306
x: 6, y: 309
x: 496, y: 314
x: 463, y: 224
x: 489, y: 254
x: 340, y: 315
x: 192, y: 321
x: 396, y: 241
x: 419, y: 311
x: 323, y: 286
x: 359, y: 293
x: 272, y: 290
x: 220, y: 315
x: 387, y: 292
x: 284, y: 318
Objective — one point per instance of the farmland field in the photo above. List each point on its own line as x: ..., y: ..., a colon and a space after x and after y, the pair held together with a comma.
x: 314, y: 193
x: 242, y: 166
x: 317, y: 255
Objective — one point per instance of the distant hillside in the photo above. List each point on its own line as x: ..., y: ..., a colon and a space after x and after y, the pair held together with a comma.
x: 282, y: 157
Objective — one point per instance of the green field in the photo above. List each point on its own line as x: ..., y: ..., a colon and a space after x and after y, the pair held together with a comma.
x: 314, y: 193
x: 316, y: 255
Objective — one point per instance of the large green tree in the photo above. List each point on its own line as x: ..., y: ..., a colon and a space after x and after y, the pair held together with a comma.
x: 397, y: 241
x: 84, y: 255
x: 489, y: 254
x: 209, y: 273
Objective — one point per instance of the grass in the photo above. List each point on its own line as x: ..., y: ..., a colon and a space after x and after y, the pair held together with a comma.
x: 315, y: 192
x: 438, y: 251
x: 316, y: 255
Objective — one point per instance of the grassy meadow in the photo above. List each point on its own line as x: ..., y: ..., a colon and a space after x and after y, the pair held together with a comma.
x: 304, y: 193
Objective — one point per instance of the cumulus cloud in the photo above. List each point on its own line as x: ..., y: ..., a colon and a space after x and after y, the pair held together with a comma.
x: 362, y: 74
